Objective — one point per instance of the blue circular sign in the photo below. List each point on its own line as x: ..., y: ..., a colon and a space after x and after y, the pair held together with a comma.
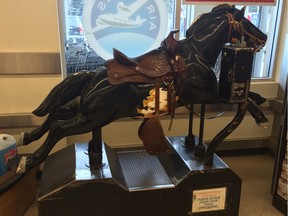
x: 132, y: 26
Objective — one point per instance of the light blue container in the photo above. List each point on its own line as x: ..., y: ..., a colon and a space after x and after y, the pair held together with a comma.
x: 8, y: 153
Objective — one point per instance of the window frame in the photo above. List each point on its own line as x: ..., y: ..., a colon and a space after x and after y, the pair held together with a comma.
x: 178, y: 3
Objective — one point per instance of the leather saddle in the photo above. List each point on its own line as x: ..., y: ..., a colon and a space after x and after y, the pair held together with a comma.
x: 162, y: 63
x: 143, y: 69
x: 157, y: 66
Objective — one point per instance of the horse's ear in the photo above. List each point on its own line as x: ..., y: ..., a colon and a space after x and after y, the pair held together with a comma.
x: 231, y: 8
x: 240, y: 14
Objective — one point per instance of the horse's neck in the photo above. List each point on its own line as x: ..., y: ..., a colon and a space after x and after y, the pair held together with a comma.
x: 209, y: 47
x: 211, y: 50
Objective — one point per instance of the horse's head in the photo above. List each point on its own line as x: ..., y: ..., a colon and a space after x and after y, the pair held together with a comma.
x: 241, y: 27
x: 224, y: 24
x: 204, y: 41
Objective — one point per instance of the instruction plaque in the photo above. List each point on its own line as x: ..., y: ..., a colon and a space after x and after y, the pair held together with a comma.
x: 208, y: 200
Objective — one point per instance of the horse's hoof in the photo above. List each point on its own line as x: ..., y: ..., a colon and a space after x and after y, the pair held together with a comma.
x: 24, y: 139
x: 25, y: 164
x: 263, y: 124
x: 265, y: 104
x: 22, y: 165
x: 262, y: 121
x: 21, y: 139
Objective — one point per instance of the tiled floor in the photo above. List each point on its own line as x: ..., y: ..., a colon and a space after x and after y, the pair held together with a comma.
x: 256, y: 173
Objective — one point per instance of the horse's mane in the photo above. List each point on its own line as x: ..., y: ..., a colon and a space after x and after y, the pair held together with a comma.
x: 202, y: 19
x: 222, y: 7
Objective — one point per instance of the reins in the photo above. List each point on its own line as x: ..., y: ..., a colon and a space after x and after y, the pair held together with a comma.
x: 237, y: 26
x: 234, y: 25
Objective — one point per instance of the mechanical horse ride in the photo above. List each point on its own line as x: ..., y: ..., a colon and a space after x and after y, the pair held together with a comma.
x: 179, y: 73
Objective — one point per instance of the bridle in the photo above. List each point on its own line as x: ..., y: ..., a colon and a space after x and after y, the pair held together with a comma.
x: 235, y: 25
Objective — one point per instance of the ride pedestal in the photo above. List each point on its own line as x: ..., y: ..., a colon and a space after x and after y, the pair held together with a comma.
x: 133, y: 183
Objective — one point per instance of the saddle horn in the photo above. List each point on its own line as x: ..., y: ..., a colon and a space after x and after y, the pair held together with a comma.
x: 171, y: 44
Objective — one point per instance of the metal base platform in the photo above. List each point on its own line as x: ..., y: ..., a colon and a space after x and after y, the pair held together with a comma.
x: 134, y: 183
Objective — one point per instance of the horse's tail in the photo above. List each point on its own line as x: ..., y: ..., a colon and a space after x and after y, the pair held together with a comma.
x: 65, y: 91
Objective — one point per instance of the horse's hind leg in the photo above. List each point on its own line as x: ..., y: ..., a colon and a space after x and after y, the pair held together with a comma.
x: 37, y: 133
x: 59, y: 130
x: 65, y: 112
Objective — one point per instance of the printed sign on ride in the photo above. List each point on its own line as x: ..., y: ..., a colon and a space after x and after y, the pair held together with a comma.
x: 132, y: 26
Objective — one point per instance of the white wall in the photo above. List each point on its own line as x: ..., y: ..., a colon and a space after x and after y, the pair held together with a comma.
x: 32, y: 26
x: 27, y: 26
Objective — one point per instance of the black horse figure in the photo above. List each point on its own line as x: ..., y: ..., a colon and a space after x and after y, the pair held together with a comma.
x: 190, y: 80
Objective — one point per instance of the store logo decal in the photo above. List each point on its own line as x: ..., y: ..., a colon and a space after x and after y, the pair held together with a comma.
x: 132, y: 26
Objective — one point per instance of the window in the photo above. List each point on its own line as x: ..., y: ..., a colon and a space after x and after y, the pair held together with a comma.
x: 80, y: 56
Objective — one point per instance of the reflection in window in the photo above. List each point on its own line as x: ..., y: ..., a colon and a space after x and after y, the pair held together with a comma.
x: 80, y: 56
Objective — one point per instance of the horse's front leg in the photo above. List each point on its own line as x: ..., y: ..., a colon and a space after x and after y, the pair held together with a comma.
x: 258, y: 115
x: 259, y: 100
